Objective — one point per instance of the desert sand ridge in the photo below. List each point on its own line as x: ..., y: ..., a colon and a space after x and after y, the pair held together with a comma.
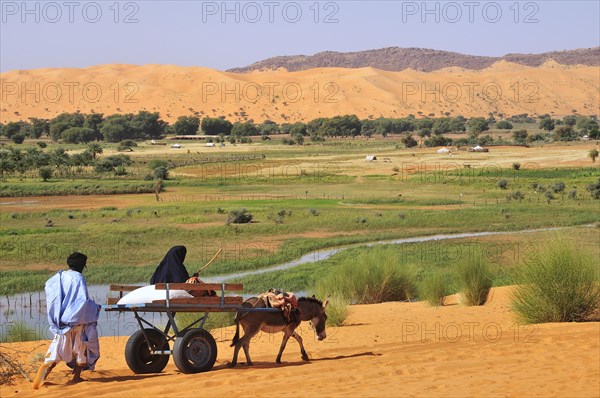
x: 282, y: 96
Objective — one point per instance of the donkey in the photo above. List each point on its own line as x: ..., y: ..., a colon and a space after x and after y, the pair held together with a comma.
x: 310, y: 309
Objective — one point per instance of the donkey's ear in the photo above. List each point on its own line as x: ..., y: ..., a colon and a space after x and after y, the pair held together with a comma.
x: 326, y: 302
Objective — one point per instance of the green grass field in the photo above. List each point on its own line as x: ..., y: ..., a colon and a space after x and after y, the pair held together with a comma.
x: 302, y: 199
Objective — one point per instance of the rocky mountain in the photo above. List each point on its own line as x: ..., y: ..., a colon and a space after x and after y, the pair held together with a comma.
x: 420, y: 59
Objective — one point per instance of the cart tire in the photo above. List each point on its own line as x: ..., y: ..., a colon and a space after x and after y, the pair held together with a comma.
x: 138, y: 355
x: 195, y: 352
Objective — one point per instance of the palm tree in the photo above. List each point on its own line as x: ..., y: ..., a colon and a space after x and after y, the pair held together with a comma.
x: 95, y: 149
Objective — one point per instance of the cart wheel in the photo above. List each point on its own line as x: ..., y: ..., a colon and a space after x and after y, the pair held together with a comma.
x: 195, y: 352
x: 138, y: 355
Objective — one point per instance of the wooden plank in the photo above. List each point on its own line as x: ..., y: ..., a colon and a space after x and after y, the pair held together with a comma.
x: 237, y: 300
x: 236, y: 287
x: 122, y: 288
x: 112, y: 300
x: 162, y: 309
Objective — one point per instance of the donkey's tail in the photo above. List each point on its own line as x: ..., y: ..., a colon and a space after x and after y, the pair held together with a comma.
x: 236, y: 338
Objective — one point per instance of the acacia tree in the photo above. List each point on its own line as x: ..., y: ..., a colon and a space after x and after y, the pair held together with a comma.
x: 519, y: 136
x: 547, y: 124
x: 477, y: 125
x: 216, y: 126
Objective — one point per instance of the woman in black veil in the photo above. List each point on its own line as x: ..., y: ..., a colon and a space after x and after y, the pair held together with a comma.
x: 171, y: 268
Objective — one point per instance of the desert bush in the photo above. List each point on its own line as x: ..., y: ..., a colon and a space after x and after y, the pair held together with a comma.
x: 337, y: 309
x: 126, y: 145
x: 240, y: 216
x: 517, y: 195
x: 594, y: 189
x: 474, y: 277
x: 558, y: 187
x: 161, y: 173
x: 373, y: 276
x: 558, y: 284
x: 502, y: 184
x: 435, y: 287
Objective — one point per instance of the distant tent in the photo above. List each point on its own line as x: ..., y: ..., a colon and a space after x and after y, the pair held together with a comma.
x: 210, y: 144
x: 478, y: 148
x: 370, y: 158
x: 443, y: 150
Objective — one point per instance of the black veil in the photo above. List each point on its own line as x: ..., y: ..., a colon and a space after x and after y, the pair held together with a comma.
x: 171, y: 268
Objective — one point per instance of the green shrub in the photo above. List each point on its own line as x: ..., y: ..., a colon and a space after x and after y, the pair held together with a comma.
x: 120, y: 171
x: 435, y: 287
x: 18, y: 138
x: 154, y: 163
x: 161, y: 173
x: 502, y: 184
x: 517, y: 195
x: 594, y: 189
x: 558, y: 284
x: 241, y: 216
x: 558, y: 187
x: 111, y: 162
x: 337, y: 309
x: 45, y: 173
x: 373, y: 276
x: 474, y: 277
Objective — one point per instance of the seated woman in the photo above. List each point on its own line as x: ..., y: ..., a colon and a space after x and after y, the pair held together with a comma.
x: 171, y: 268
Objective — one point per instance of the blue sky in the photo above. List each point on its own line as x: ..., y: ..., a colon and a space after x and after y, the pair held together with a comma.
x: 223, y: 35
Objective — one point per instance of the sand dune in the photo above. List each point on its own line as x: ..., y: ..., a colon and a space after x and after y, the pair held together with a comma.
x: 384, y: 350
x: 291, y: 96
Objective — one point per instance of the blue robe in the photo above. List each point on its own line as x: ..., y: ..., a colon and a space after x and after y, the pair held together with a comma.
x: 68, y: 302
x: 69, y: 305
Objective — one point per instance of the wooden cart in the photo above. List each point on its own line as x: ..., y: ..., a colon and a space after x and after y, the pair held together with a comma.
x: 194, y: 348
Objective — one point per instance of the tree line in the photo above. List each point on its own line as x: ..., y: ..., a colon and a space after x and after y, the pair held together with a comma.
x: 80, y: 128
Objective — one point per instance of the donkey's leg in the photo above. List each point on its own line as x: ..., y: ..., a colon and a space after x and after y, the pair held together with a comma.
x: 247, y: 353
x: 287, y: 333
x: 250, y: 330
x: 302, y: 350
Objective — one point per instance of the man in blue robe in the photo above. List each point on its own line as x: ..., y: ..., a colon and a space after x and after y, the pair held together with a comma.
x: 73, y: 317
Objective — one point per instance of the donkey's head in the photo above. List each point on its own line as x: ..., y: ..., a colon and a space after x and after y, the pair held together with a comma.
x: 313, y: 310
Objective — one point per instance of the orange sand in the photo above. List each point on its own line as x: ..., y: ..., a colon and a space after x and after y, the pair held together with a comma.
x: 384, y: 350
x: 299, y: 96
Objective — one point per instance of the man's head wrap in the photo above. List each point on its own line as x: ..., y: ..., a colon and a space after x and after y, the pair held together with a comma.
x: 76, y: 261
